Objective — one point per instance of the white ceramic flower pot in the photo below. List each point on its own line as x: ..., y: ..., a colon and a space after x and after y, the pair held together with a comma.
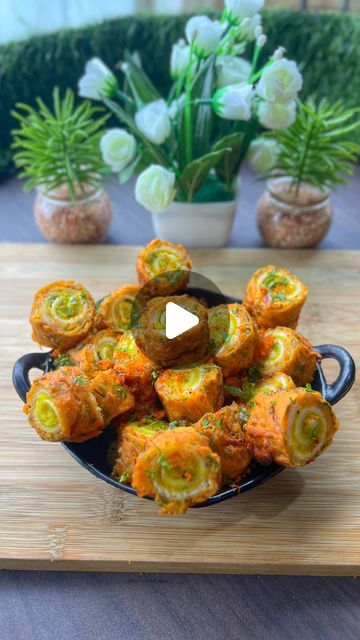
x: 196, y: 224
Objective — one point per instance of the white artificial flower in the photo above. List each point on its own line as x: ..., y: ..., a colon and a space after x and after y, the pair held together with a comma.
x: 154, y: 188
x: 262, y: 154
x: 280, y: 82
x: 279, y: 53
x: 261, y: 41
x: 205, y: 34
x: 249, y: 26
x: 153, y: 121
x: 97, y: 81
x: 233, y: 102
x: 277, y: 115
x: 180, y: 58
x: 237, y: 10
x: 232, y: 70
x: 176, y: 104
x: 118, y: 148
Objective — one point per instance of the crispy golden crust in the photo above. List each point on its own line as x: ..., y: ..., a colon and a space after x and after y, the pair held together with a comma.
x: 290, y: 428
x: 132, y: 439
x: 224, y: 429
x: 160, y: 257
x: 111, y: 393
x: 237, y: 351
x: 115, y: 311
x: 275, y: 297
x: 137, y: 369
x: 98, y: 347
x: 191, y: 392
x: 290, y: 353
x: 62, y: 314
x: 190, y: 346
x: 178, y: 469
x: 61, y: 406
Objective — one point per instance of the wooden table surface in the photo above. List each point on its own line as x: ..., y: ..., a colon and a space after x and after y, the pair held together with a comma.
x: 305, y: 521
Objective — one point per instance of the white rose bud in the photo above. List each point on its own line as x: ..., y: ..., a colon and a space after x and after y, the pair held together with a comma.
x: 261, y: 41
x: 232, y: 71
x: 262, y: 154
x: 277, y: 115
x: 118, y: 148
x: 176, y: 104
x: 279, y: 53
x: 180, y: 58
x: 280, y: 82
x: 154, y: 122
x: 233, y: 102
x: 238, y: 10
x: 97, y: 81
x: 154, y: 188
x: 249, y: 26
x: 258, y: 31
x: 205, y: 34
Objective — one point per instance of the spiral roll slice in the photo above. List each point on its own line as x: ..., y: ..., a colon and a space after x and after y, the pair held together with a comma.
x: 188, y: 393
x: 163, y: 267
x: 224, y: 429
x: 275, y: 297
x: 61, y: 406
x: 97, y: 348
x: 233, y: 337
x: 137, y: 369
x: 112, y: 395
x: 289, y: 353
x: 133, y: 437
x: 62, y: 314
x: 190, y: 346
x: 178, y: 469
x: 117, y: 309
x: 291, y: 428
x: 274, y: 383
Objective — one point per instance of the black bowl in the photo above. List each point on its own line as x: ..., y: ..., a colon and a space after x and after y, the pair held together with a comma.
x: 92, y: 455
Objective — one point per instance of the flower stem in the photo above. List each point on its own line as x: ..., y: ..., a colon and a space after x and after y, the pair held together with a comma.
x: 188, y: 131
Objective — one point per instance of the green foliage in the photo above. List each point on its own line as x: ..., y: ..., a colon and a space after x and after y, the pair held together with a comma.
x: 319, y: 147
x: 326, y: 44
x: 59, y: 146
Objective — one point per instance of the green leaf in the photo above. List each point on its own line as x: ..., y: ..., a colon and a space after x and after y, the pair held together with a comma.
x: 229, y: 164
x: 128, y: 171
x: 203, y: 117
x: 142, y: 88
x: 196, y: 171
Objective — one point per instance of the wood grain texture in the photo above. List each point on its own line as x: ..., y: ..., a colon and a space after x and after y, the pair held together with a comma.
x: 55, y: 515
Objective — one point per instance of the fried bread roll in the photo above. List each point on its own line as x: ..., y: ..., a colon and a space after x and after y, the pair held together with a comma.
x: 98, y: 347
x: 290, y: 428
x: 178, y: 469
x: 62, y: 314
x: 137, y: 369
x: 190, y: 346
x: 163, y: 267
x: 132, y: 440
x: 112, y: 395
x: 289, y: 353
x: 224, y: 429
x: 233, y: 337
x: 275, y: 297
x: 61, y: 406
x: 188, y: 393
x: 274, y: 383
x: 117, y: 309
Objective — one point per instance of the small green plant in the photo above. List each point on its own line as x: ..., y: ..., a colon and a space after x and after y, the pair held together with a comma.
x: 59, y: 147
x: 318, y: 148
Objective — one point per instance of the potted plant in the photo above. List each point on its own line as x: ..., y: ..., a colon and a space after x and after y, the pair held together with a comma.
x: 189, y: 147
x: 58, y: 153
x: 303, y: 164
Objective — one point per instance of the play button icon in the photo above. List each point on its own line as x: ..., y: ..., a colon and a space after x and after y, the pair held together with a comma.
x: 178, y: 320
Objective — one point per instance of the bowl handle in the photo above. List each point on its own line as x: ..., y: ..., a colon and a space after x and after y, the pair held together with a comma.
x: 336, y: 390
x: 21, y: 370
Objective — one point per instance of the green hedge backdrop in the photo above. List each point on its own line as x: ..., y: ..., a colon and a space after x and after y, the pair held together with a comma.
x: 326, y: 45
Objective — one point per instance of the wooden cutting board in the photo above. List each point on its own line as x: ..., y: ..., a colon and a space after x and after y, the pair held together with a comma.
x: 55, y: 515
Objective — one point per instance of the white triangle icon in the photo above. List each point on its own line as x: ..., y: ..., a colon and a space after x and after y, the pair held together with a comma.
x: 178, y: 320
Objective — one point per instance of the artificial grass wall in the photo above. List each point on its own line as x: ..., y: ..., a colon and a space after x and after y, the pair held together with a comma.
x: 326, y: 45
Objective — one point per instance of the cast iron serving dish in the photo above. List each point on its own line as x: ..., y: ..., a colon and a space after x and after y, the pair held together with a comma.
x: 92, y: 454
